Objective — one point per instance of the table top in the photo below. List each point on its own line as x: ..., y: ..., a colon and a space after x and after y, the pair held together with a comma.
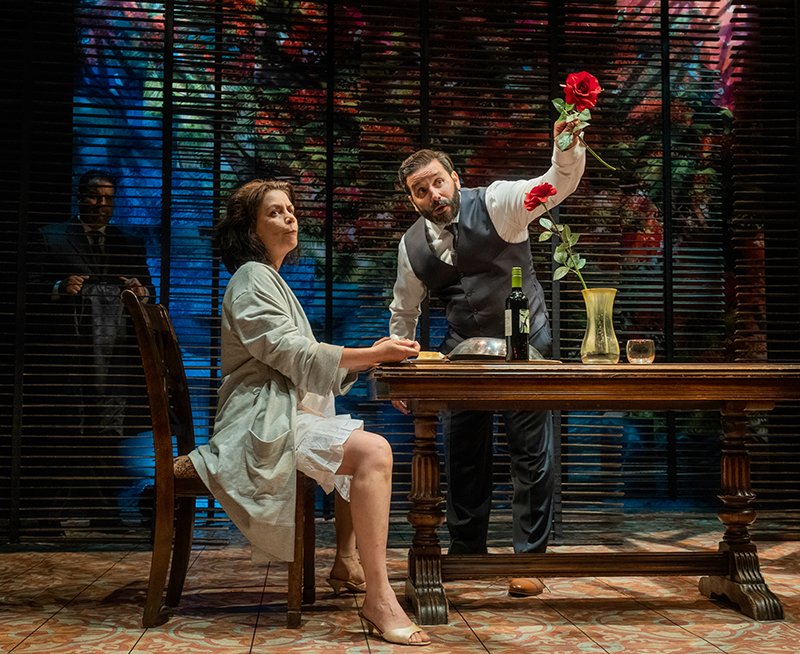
x: 434, y: 385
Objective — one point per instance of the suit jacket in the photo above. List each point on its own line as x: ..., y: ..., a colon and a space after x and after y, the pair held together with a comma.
x: 63, y: 249
x: 62, y: 326
x: 270, y: 358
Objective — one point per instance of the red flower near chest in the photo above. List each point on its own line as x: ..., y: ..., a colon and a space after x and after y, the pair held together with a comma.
x: 538, y: 194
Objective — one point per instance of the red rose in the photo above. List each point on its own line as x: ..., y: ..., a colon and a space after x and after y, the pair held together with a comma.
x: 538, y: 195
x: 582, y: 90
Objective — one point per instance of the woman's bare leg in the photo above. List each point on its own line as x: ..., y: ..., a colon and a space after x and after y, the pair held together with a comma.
x: 346, y: 565
x: 368, y: 458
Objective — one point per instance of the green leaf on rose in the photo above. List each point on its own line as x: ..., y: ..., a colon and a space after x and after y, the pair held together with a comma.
x: 566, y: 232
x: 573, y: 239
x: 546, y: 223
x: 559, y: 273
x: 560, y: 255
x: 573, y: 261
x: 561, y: 105
x: 545, y: 236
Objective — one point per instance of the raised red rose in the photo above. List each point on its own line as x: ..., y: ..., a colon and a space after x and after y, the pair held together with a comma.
x: 538, y: 194
x: 582, y: 90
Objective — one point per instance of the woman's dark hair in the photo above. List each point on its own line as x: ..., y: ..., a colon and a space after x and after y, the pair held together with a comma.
x: 235, y: 235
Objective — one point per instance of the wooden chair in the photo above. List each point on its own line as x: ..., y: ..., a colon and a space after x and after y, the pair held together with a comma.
x: 174, y: 504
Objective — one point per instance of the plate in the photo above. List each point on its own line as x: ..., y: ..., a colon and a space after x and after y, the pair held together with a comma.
x: 428, y: 357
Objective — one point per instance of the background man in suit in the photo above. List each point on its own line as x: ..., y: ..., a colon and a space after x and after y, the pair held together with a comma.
x: 81, y: 267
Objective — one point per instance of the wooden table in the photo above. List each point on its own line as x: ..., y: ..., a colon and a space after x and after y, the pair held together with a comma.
x: 732, y: 389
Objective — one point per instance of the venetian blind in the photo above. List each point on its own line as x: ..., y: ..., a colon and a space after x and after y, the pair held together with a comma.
x: 654, y: 225
x: 764, y: 233
x: 183, y: 100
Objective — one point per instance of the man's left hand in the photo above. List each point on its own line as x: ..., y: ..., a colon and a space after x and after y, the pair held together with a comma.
x: 135, y: 285
x: 560, y: 127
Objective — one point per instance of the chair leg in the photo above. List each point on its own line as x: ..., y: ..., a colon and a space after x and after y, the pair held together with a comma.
x: 162, y: 548
x: 309, y: 544
x: 295, y: 591
x: 181, y: 550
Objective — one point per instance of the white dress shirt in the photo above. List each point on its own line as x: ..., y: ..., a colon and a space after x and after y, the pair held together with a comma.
x: 505, y: 201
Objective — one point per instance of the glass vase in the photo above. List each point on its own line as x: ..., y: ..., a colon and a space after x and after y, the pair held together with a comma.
x: 600, y: 343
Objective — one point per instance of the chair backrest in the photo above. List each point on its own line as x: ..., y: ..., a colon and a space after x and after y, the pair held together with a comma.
x: 167, y: 388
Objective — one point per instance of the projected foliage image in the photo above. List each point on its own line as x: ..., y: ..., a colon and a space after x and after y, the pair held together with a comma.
x: 183, y: 101
x: 334, y: 102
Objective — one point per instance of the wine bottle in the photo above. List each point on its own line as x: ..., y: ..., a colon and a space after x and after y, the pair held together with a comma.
x: 517, y: 320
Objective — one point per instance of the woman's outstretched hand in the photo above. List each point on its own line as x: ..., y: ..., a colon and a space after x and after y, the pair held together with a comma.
x: 395, y: 349
x: 384, y: 350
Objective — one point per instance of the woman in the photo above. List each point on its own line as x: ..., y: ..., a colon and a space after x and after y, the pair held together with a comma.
x: 276, y: 413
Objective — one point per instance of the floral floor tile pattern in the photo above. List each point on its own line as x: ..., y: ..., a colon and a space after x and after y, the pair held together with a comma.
x: 90, y: 602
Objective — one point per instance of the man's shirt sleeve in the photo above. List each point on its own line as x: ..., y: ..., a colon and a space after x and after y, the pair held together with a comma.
x: 505, y: 200
x: 409, y: 292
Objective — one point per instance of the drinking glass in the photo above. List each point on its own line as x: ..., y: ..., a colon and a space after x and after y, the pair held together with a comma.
x: 640, y: 350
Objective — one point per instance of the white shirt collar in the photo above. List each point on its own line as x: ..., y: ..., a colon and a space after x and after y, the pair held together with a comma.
x: 87, y: 229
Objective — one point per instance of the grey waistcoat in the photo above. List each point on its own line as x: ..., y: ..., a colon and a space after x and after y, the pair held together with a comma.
x: 474, y: 291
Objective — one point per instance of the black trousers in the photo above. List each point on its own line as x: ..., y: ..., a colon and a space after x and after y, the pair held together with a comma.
x: 468, y: 445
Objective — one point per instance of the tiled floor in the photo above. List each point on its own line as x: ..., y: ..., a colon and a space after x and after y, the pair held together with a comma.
x: 73, y: 602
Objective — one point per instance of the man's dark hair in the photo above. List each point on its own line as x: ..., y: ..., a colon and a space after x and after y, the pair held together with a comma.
x: 235, y: 235
x: 420, y: 159
x: 92, y: 175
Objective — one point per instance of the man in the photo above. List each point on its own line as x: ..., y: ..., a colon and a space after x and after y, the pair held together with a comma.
x: 462, y: 249
x: 79, y: 268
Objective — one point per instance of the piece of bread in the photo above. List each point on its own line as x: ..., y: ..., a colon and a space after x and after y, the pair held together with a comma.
x: 430, y: 356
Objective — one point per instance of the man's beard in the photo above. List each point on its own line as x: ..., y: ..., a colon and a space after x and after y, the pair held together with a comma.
x: 446, y: 217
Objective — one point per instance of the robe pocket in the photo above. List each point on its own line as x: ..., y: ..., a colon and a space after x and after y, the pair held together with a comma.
x: 272, y: 469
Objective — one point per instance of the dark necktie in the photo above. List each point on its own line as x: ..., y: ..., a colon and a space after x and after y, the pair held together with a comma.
x: 453, y: 229
x: 96, y: 243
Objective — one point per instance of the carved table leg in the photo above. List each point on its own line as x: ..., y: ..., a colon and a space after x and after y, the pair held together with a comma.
x: 424, y: 584
x: 743, y: 585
